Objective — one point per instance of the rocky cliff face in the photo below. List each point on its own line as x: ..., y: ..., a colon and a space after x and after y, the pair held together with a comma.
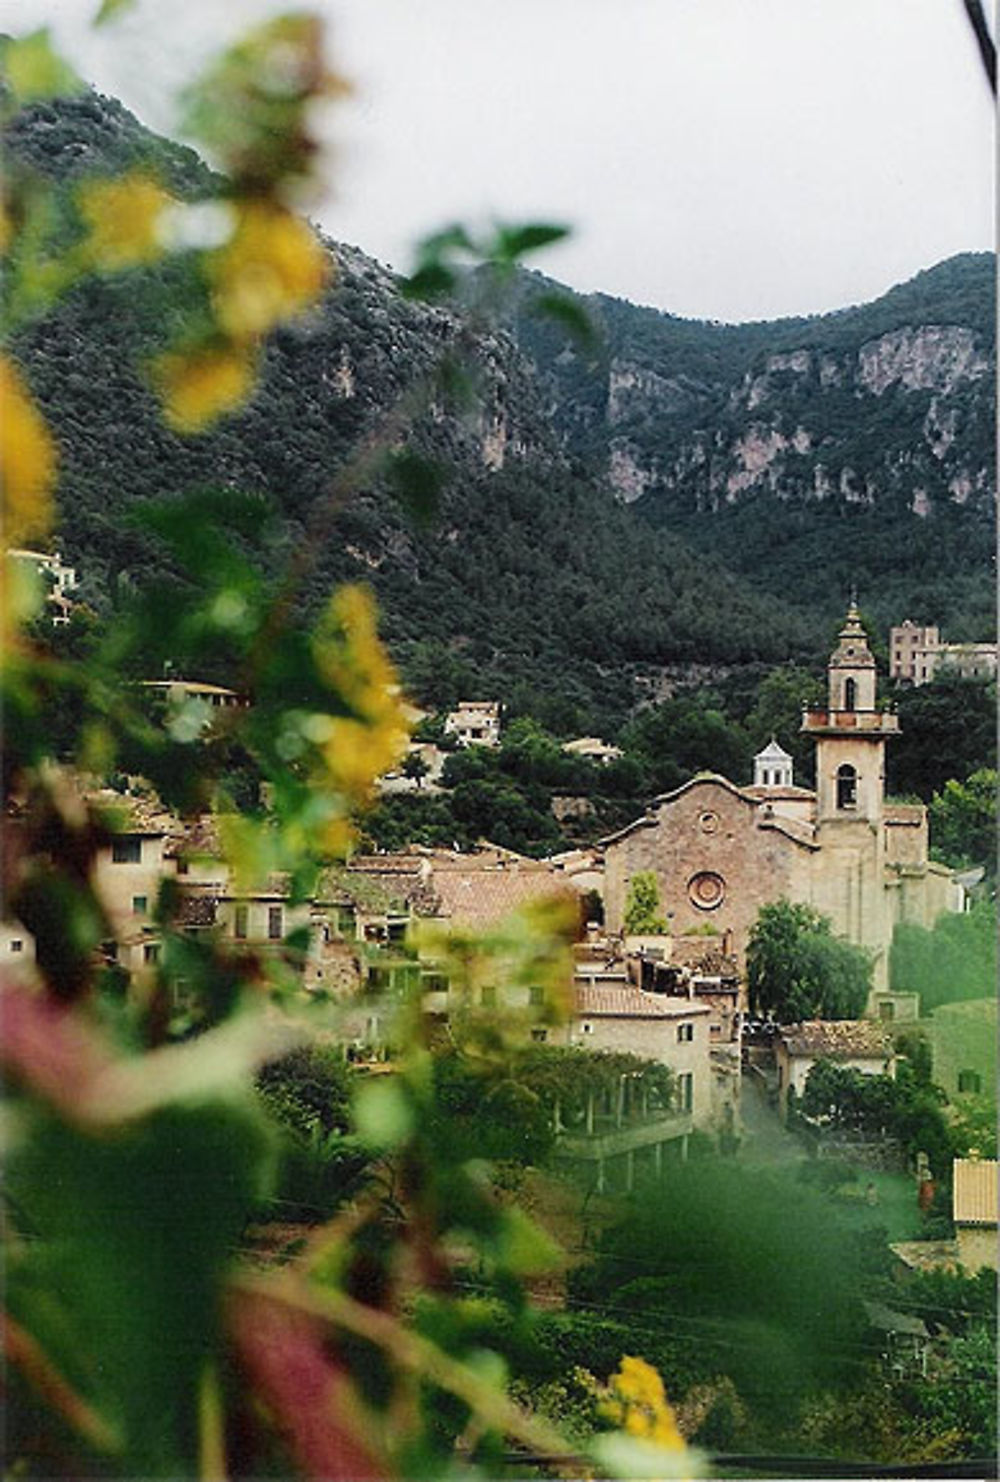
x: 905, y: 417
x: 891, y: 401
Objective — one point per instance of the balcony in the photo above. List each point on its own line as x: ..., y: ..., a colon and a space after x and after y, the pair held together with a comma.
x: 611, y: 1141
x: 863, y: 722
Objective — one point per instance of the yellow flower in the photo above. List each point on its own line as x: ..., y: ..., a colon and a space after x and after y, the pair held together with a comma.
x: 123, y: 217
x: 271, y: 269
x: 199, y: 385
x: 353, y: 750
x: 339, y: 837
x: 638, y: 1404
x: 28, y: 460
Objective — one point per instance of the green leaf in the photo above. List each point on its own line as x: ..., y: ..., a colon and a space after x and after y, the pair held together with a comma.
x: 432, y: 280
x: 111, y: 9
x: 523, y: 1247
x: 382, y: 1114
x: 568, y: 312
x: 35, y: 70
x: 446, y: 243
x: 626, y: 1456
x: 513, y: 242
x: 136, y: 1233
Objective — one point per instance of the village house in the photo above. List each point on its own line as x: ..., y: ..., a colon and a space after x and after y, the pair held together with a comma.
x: 720, y: 851
x: 177, y: 693
x: 685, y: 981
x: 59, y: 580
x: 610, y: 1014
x: 917, y: 655
x: 129, y: 873
x: 474, y: 723
x: 854, y: 1044
x: 593, y: 749
x: 893, y: 1006
x: 974, y: 1212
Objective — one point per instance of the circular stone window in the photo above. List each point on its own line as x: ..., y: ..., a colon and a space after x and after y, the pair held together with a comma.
x: 707, y: 890
x: 708, y: 822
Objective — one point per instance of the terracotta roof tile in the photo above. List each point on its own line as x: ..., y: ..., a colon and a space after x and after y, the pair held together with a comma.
x: 199, y: 836
x: 702, y: 957
x: 481, y: 897
x: 131, y: 813
x: 789, y: 792
x: 386, y: 864
x: 927, y: 1255
x: 974, y: 1191
x: 605, y: 1000
x: 838, y: 1039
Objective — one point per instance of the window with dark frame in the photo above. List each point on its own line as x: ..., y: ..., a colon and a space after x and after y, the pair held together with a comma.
x: 847, y: 787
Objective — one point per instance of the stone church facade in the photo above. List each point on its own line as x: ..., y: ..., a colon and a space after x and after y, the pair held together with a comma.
x: 721, y: 851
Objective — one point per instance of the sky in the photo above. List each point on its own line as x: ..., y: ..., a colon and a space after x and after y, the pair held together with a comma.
x: 719, y: 159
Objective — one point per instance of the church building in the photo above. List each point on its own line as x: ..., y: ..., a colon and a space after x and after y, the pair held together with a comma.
x: 721, y: 851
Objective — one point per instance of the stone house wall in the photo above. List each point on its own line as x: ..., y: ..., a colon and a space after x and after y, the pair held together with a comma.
x: 660, y: 1039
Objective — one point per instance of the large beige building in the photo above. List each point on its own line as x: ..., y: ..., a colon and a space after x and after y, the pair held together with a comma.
x: 916, y: 654
x: 721, y: 851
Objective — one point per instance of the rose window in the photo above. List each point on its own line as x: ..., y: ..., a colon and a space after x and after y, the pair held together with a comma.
x: 707, y: 890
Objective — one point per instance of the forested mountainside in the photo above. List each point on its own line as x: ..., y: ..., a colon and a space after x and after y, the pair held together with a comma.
x: 535, y: 580
x: 531, y: 578
x: 854, y: 448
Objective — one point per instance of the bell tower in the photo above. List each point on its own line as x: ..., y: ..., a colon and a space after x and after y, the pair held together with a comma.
x: 850, y: 734
x: 848, y: 879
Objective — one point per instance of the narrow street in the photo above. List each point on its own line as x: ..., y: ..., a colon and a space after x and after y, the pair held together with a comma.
x: 765, y: 1139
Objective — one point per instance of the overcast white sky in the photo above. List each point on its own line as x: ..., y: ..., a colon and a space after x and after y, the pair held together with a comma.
x: 726, y: 159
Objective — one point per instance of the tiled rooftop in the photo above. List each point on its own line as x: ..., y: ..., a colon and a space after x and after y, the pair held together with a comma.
x: 789, y: 792
x: 702, y: 958
x: 974, y: 1191
x: 838, y: 1039
x: 481, y: 897
x: 131, y: 813
x: 603, y: 1000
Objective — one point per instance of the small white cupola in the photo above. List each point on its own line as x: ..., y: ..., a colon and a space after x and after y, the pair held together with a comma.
x: 772, y: 767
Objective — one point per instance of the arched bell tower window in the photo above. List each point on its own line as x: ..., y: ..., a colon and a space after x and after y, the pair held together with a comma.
x: 850, y: 694
x: 847, y: 787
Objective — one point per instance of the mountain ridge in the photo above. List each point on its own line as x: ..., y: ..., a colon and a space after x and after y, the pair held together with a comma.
x: 534, y: 580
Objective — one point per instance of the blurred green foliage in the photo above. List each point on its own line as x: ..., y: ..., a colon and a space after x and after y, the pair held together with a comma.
x: 953, y: 962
